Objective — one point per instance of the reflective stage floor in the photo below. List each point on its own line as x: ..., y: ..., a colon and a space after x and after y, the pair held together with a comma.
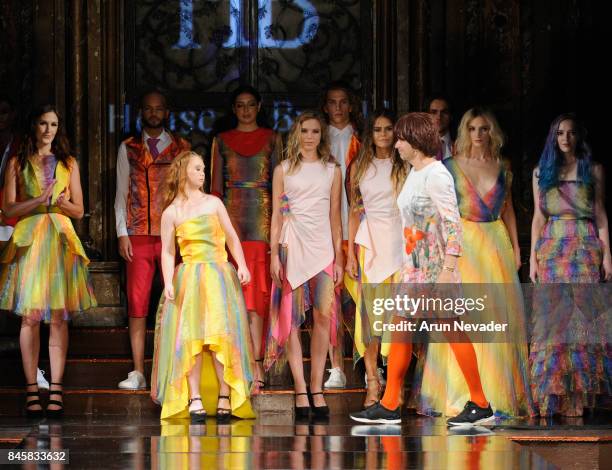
x: 276, y: 442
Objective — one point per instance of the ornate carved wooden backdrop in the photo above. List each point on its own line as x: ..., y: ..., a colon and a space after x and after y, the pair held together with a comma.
x: 528, y: 60
x: 200, y: 50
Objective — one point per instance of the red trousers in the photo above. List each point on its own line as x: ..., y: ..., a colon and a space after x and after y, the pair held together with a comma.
x: 140, y: 273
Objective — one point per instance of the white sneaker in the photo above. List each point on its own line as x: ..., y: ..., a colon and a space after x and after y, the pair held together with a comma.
x: 337, y: 379
x: 381, y: 378
x: 135, y: 381
x: 41, y: 381
x: 377, y: 430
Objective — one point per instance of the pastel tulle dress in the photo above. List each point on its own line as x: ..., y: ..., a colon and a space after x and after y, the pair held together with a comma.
x: 567, y: 371
x: 43, y: 267
x: 242, y: 165
x: 307, y: 255
x: 488, y: 258
x: 208, y: 313
x: 380, y: 246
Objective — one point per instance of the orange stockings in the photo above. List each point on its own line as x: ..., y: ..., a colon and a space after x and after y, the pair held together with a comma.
x: 400, y: 355
x: 466, y: 358
x: 397, y: 366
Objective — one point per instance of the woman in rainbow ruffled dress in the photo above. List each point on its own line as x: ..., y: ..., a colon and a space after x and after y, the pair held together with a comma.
x: 570, y: 356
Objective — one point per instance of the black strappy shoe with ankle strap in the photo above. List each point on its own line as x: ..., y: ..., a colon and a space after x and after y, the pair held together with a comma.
x: 318, y: 411
x: 302, y: 412
x: 224, y: 414
x: 196, y: 416
x: 59, y: 413
x: 30, y: 413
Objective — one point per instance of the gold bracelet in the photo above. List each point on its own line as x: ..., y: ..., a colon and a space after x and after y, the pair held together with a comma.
x: 448, y: 268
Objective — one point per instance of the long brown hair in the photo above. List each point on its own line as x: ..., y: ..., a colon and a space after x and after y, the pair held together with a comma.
x: 60, y: 147
x: 292, y: 150
x: 174, y: 185
x: 367, y: 153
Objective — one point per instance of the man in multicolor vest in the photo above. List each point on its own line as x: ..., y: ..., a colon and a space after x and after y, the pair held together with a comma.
x: 342, y: 111
x: 142, y: 164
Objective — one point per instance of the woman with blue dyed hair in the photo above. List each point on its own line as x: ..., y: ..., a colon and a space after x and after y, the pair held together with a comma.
x: 569, y: 244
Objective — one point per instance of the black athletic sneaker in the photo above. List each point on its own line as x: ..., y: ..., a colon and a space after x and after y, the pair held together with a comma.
x: 472, y: 414
x: 377, y: 414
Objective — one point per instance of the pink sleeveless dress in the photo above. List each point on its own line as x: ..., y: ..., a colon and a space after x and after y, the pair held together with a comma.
x: 380, y: 249
x: 307, y: 256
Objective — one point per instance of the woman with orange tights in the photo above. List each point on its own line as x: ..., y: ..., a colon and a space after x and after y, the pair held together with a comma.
x: 430, y: 217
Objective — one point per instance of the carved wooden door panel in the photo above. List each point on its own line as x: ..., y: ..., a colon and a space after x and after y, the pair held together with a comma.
x: 200, y: 50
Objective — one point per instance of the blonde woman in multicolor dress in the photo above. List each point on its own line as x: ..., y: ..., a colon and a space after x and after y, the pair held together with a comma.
x: 202, y: 355
x: 570, y: 356
x: 491, y: 255
x: 375, y: 240
x: 43, y: 267
x: 307, y: 261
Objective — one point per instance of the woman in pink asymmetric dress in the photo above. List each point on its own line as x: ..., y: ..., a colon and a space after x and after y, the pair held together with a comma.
x: 306, y: 257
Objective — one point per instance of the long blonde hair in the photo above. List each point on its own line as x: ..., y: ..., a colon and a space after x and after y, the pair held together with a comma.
x: 292, y: 150
x: 366, y: 155
x: 176, y: 178
x: 496, y: 136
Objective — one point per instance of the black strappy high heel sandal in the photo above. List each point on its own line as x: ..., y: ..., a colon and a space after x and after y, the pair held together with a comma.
x: 196, y: 416
x: 59, y: 413
x: 302, y: 412
x: 33, y: 414
x: 261, y: 383
x: 318, y: 411
x: 224, y: 414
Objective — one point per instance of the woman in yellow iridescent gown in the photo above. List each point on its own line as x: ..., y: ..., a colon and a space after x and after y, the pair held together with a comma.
x: 43, y: 267
x: 491, y: 255
x: 202, y: 352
